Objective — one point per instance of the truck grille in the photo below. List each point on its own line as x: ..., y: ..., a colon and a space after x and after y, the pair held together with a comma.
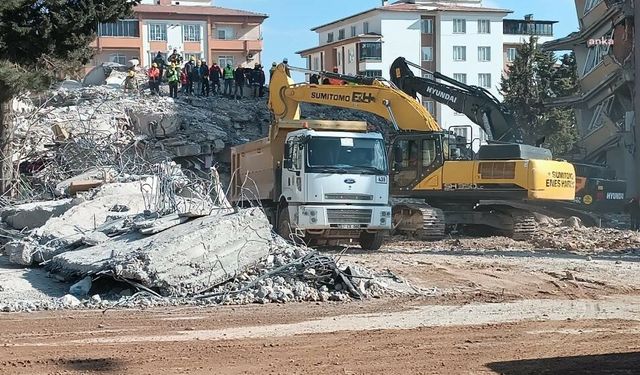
x: 353, y: 197
x: 336, y: 216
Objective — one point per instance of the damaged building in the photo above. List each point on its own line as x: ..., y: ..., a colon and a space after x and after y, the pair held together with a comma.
x: 604, y: 106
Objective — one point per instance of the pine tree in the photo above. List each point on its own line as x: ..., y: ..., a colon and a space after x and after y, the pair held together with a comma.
x: 534, y: 78
x: 39, y: 39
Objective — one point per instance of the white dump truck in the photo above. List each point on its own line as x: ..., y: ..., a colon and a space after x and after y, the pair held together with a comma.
x: 317, y: 180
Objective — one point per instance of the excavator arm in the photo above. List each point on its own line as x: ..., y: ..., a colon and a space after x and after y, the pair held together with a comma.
x: 478, y: 104
x: 373, y: 96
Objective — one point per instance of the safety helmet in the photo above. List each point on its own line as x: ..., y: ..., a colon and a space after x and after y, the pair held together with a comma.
x: 274, y: 64
x: 193, y: 58
x: 154, y: 65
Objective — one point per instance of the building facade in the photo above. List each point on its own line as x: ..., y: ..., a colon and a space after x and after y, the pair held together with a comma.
x: 194, y: 28
x: 461, y: 39
x: 604, y: 49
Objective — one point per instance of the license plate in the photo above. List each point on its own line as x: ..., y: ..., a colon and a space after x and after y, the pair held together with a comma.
x: 348, y: 226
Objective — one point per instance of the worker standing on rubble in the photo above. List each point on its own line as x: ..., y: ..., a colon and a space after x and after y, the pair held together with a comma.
x: 184, y: 81
x: 172, y: 78
x: 154, y: 79
x: 175, y: 58
x: 130, y: 83
x: 240, y: 82
x: 272, y: 70
x: 257, y: 81
x: 204, y: 74
x: 159, y: 60
x: 286, y: 66
x: 228, y: 80
x: 189, y: 69
x: 196, y: 78
x: 215, y: 74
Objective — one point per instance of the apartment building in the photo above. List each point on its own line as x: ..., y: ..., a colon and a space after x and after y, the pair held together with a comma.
x: 604, y: 48
x: 461, y: 39
x: 195, y: 28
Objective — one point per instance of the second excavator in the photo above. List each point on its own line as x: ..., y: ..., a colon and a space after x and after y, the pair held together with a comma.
x: 434, y: 181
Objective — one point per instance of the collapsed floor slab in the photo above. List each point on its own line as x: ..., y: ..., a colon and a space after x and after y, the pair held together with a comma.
x: 183, y: 260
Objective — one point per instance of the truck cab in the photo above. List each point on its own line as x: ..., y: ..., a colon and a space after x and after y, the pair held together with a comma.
x: 317, y: 184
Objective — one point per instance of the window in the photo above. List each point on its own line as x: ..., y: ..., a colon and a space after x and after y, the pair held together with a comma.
x: 461, y: 132
x: 459, y: 26
x: 601, y: 110
x: 515, y: 27
x: 225, y: 33
x: 120, y: 28
x: 351, y: 56
x: 590, y: 4
x: 339, y: 58
x: 596, y: 55
x: 511, y: 54
x: 484, y: 27
x: 459, y: 53
x: 223, y: 60
x: 365, y: 27
x: 484, y: 53
x: 426, y: 25
x: 429, y: 105
x: 428, y: 152
x: 340, y: 34
x: 157, y: 32
x: 484, y: 80
x: 197, y: 56
x: 427, y: 53
x: 118, y: 58
x: 329, y: 37
x: 460, y: 77
x: 370, y: 51
x: 316, y: 63
x: 371, y: 73
x: 353, y: 31
x: 191, y: 33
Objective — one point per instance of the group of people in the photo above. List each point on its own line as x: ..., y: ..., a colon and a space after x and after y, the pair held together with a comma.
x: 197, y: 78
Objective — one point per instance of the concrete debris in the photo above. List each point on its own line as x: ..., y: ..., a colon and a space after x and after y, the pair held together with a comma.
x: 82, y: 287
x: 35, y: 214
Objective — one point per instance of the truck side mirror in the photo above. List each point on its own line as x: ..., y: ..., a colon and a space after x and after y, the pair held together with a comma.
x: 287, y: 163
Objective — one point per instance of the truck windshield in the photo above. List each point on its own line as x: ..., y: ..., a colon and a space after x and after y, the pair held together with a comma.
x: 346, y: 155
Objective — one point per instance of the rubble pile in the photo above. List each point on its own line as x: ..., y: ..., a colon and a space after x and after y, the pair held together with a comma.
x: 571, y: 235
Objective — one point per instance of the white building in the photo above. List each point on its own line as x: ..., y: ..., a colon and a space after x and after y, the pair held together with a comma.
x: 461, y: 39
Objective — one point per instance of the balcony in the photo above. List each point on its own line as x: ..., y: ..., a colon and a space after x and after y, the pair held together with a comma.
x: 594, y: 15
x: 112, y: 42
x: 599, y: 74
x: 235, y: 45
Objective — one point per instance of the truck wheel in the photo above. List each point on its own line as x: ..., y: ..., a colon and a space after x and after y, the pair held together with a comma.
x: 371, y: 241
x: 284, y: 226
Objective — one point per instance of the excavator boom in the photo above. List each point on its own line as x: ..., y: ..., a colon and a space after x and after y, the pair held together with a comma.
x: 478, y: 104
x: 394, y: 105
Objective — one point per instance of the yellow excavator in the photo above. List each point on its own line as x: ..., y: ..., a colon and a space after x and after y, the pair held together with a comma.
x: 435, y: 182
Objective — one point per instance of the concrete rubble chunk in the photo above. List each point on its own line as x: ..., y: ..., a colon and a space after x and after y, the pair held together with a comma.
x: 21, y: 252
x: 82, y: 287
x: 35, y: 214
x: 182, y: 260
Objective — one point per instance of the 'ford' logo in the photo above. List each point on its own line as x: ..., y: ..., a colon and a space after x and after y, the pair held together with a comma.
x: 350, y: 181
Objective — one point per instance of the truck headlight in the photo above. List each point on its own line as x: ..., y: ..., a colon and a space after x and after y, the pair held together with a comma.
x: 309, y: 212
x: 314, y: 220
x: 383, y: 220
x: 385, y: 214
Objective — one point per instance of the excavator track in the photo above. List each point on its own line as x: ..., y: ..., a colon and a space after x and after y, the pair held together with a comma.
x: 525, y: 226
x: 415, y: 217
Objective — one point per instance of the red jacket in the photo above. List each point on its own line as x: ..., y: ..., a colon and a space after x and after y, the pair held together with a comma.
x: 183, y: 78
x: 154, y: 73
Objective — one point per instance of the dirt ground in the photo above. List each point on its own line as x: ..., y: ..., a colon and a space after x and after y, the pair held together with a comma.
x: 481, y: 311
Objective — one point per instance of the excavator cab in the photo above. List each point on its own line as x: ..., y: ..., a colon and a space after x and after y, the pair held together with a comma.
x: 415, y: 156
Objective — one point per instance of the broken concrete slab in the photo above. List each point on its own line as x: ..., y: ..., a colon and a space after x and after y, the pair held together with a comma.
x: 35, y: 214
x: 154, y: 123
x: 83, y: 185
x: 21, y: 252
x: 183, y: 260
x: 105, y: 174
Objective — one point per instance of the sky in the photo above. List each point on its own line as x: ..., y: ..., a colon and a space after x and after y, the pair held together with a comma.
x: 288, y: 28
